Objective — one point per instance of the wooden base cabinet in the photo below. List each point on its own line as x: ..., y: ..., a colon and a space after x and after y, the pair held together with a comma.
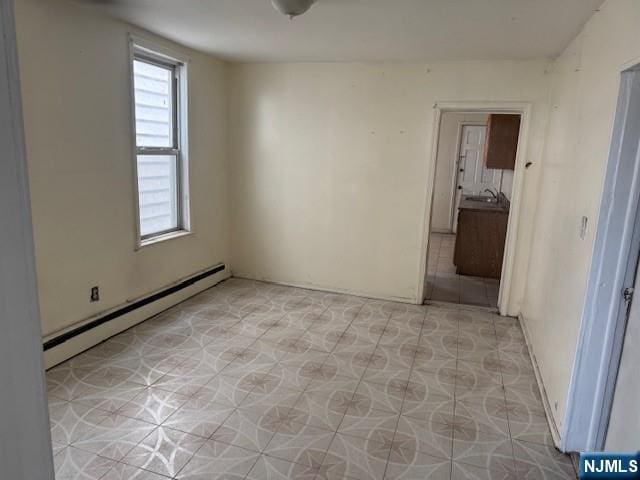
x: 480, y: 242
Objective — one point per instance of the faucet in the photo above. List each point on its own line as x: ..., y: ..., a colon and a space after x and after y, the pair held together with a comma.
x: 493, y: 194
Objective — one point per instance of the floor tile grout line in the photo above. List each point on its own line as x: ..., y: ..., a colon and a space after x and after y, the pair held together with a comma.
x: 306, y: 387
x: 335, y: 433
x: 455, y: 397
x: 233, y: 302
x: 326, y: 359
x: 209, y: 438
x: 506, y: 404
x: 290, y: 408
x: 221, y: 372
x: 146, y: 387
x: 395, y: 431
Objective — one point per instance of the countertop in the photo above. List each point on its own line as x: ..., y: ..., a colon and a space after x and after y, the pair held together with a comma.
x: 500, y: 207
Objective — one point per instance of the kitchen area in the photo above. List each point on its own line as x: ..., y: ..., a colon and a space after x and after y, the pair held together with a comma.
x: 471, y: 206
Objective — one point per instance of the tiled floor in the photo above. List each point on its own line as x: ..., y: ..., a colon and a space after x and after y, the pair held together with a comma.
x: 257, y: 381
x: 444, y: 285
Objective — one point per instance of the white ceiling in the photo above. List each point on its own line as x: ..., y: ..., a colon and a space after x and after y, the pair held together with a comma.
x: 358, y: 30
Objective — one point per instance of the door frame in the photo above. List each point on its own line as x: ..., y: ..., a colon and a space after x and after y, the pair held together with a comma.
x: 506, y: 304
x: 25, y: 441
x: 613, y: 267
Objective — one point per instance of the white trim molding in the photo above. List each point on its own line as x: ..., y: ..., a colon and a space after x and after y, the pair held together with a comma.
x: 94, y: 336
x: 505, y: 301
x: 25, y: 439
x: 553, y: 426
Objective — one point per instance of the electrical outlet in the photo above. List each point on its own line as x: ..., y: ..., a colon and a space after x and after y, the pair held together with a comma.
x: 95, y: 294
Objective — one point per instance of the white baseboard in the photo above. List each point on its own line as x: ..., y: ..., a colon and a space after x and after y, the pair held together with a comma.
x: 328, y: 289
x: 90, y: 338
x: 555, y: 433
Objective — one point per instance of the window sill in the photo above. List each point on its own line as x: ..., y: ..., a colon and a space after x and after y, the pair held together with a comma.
x: 162, y: 238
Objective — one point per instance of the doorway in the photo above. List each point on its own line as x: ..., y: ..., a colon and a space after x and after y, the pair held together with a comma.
x: 471, y: 205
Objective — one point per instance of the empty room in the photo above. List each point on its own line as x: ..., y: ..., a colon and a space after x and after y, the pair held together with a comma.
x: 319, y: 239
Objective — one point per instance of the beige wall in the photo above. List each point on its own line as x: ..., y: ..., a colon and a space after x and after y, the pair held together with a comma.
x: 329, y: 170
x: 75, y: 83
x: 583, y: 100
x: 330, y: 165
x: 444, y: 186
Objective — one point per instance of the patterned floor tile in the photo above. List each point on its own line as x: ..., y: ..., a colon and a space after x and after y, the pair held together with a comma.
x: 411, y: 465
x: 271, y: 468
x: 322, y: 411
x: 222, y: 389
x: 70, y: 420
x: 197, y: 417
x: 432, y: 438
x: 122, y: 471
x: 116, y: 436
x: 353, y: 457
x: 110, y: 398
x: 489, y: 415
x: 541, y: 462
x: 153, y: 405
x: 164, y: 451
x: 251, y: 378
x: 348, y: 361
x: 75, y: 464
x: 249, y: 430
x: 461, y: 471
x: 381, y: 370
x: 186, y: 379
x: 387, y: 397
x: 293, y: 441
x: 360, y: 420
x: 288, y: 376
x: 142, y: 369
x: 57, y: 447
x: 431, y: 407
x: 263, y: 400
x: 321, y: 339
x: 441, y: 344
x: 535, y: 430
x: 491, y: 451
x: 218, y: 460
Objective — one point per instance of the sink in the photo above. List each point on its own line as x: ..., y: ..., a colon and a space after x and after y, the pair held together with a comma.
x: 481, y: 198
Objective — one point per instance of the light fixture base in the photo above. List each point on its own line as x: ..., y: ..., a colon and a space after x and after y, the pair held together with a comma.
x: 292, y: 8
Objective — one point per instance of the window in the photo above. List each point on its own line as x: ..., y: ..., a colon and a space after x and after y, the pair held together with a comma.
x: 159, y: 99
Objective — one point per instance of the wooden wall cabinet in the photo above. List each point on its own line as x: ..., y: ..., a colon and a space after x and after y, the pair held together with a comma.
x: 501, y: 142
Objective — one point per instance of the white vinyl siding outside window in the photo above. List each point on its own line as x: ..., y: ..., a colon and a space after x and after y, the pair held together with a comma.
x: 157, y: 92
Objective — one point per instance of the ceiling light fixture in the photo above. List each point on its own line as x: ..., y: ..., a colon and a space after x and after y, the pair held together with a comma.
x: 292, y: 8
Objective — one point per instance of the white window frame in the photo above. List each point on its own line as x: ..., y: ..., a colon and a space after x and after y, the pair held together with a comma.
x: 151, y: 52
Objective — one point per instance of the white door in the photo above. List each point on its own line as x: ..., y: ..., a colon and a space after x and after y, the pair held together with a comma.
x: 624, y: 423
x: 473, y: 177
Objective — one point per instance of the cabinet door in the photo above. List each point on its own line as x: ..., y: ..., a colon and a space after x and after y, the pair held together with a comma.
x: 502, y: 141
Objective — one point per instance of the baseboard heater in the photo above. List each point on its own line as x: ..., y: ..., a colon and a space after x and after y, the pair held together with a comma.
x: 54, y: 342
